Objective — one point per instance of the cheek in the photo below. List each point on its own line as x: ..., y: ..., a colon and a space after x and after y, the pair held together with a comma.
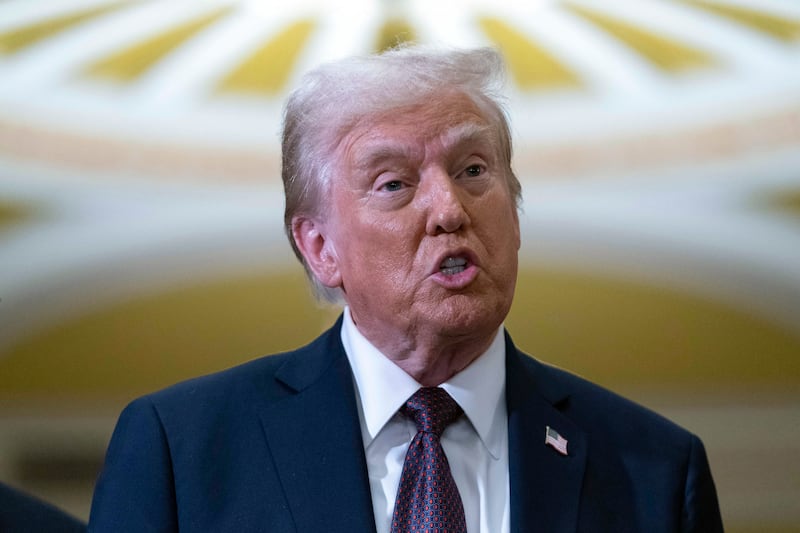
x: 391, y: 235
x: 498, y: 222
x: 382, y: 248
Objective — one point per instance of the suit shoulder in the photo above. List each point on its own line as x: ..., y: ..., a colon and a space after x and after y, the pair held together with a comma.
x: 20, y: 511
x: 235, y: 387
x: 605, y: 413
x: 223, y: 381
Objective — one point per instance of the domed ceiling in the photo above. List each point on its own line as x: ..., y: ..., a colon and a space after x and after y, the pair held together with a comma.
x: 657, y: 140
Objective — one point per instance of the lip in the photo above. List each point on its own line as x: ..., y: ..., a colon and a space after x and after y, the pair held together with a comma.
x: 460, y: 280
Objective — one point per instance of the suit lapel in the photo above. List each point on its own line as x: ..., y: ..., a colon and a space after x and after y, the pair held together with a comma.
x: 314, y: 436
x: 545, y: 485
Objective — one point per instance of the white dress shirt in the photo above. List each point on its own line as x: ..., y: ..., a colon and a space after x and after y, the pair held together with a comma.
x: 476, y: 445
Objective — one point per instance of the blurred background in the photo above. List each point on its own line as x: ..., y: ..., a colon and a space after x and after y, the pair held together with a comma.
x: 141, y: 240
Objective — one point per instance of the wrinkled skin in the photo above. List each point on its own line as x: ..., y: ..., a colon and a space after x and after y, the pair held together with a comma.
x: 421, y: 233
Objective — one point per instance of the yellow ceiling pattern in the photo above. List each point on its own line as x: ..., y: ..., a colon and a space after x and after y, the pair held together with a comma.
x: 13, y: 214
x: 533, y: 66
x: 393, y: 32
x: 268, y: 69
x: 780, y: 28
x: 787, y: 201
x: 530, y: 65
x: 30, y: 34
x: 130, y: 63
x: 666, y: 54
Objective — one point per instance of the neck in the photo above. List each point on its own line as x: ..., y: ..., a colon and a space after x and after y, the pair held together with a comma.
x: 430, y: 368
x: 428, y: 356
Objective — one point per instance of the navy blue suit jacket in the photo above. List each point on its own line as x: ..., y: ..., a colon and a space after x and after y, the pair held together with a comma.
x: 21, y: 512
x: 275, y: 445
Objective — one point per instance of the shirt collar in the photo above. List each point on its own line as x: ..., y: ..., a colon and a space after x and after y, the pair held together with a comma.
x: 383, y: 387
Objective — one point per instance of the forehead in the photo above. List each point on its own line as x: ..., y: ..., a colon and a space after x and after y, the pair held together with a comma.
x: 448, y: 119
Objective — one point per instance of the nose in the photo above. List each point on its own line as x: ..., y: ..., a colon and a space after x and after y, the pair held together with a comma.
x: 446, y: 212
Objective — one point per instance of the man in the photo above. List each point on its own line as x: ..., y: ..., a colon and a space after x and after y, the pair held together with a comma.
x: 401, y: 203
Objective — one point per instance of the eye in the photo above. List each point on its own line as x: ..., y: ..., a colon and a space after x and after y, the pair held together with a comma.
x: 473, y: 170
x: 391, y: 186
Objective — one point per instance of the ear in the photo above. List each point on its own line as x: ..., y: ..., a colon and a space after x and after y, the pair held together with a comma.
x: 317, y: 249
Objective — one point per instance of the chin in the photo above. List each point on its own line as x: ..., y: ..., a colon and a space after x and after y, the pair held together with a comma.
x: 464, y: 316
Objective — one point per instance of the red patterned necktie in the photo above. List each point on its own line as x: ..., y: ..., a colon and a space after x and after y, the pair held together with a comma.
x: 427, y: 498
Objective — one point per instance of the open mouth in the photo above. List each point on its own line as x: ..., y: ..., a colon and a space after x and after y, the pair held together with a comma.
x: 452, y: 266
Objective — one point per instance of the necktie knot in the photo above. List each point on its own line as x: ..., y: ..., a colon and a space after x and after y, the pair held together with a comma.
x: 431, y: 409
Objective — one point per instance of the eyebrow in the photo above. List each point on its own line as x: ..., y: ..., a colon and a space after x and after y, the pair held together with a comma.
x: 381, y: 151
x: 458, y: 135
x: 467, y: 132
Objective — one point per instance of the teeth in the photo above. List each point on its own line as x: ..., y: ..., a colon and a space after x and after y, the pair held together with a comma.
x: 453, y: 265
x: 451, y: 262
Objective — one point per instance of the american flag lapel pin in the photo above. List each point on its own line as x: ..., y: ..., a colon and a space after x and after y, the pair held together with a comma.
x: 552, y: 438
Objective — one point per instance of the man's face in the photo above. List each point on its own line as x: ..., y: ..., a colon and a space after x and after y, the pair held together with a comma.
x: 423, y: 229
